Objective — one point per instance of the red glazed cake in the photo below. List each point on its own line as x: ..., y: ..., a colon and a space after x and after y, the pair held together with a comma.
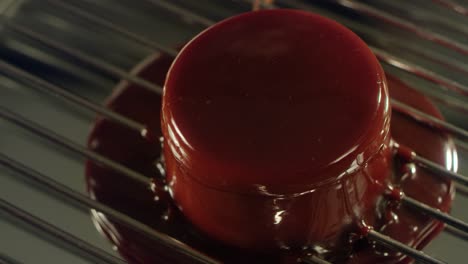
x: 273, y: 151
x: 283, y: 117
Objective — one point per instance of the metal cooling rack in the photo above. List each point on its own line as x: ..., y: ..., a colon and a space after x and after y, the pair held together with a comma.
x: 59, y: 60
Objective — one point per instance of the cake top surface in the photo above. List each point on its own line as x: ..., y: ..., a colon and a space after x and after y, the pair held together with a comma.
x: 271, y: 92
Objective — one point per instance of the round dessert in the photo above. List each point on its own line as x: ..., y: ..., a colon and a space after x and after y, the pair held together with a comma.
x: 283, y: 117
x: 156, y: 208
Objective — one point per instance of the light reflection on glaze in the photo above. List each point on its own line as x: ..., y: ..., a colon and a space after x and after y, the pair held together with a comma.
x: 172, y: 136
x: 346, y: 154
x: 278, y: 217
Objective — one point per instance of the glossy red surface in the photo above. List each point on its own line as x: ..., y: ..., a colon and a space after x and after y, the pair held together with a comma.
x: 127, y: 147
x: 270, y: 92
x: 282, y: 117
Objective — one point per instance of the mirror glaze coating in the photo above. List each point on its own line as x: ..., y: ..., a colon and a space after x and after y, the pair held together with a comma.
x: 138, y: 201
x: 276, y: 127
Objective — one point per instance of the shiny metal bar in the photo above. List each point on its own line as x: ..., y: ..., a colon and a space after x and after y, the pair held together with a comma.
x: 439, y: 170
x: 421, y: 72
x: 84, y: 247
x: 403, y: 248
x: 113, y: 27
x: 453, y: 6
x: 429, y: 120
x: 450, y: 102
x: 461, y: 145
x: 402, y: 64
x: 314, y: 260
x: 456, y: 233
x: 384, y: 56
x: 62, y: 93
x: 185, y: 13
x: 437, y: 214
x: 431, y: 56
x: 403, y: 24
x: 124, y: 219
x: 387, y: 41
x: 420, y: 15
x: 5, y: 259
x: 70, y: 145
x: 262, y: 4
x: 100, y: 64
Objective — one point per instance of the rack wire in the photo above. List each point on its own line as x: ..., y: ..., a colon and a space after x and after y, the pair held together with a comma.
x: 58, y: 47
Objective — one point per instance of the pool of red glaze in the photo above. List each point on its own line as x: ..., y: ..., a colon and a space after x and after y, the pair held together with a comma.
x: 156, y: 209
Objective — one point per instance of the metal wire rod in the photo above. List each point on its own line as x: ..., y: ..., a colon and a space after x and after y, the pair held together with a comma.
x: 124, y: 219
x: 98, y: 63
x: 403, y: 248
x: 85, y: 248
x: 112, y: 26
x: 66, y: 143
x: 60, y: 92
